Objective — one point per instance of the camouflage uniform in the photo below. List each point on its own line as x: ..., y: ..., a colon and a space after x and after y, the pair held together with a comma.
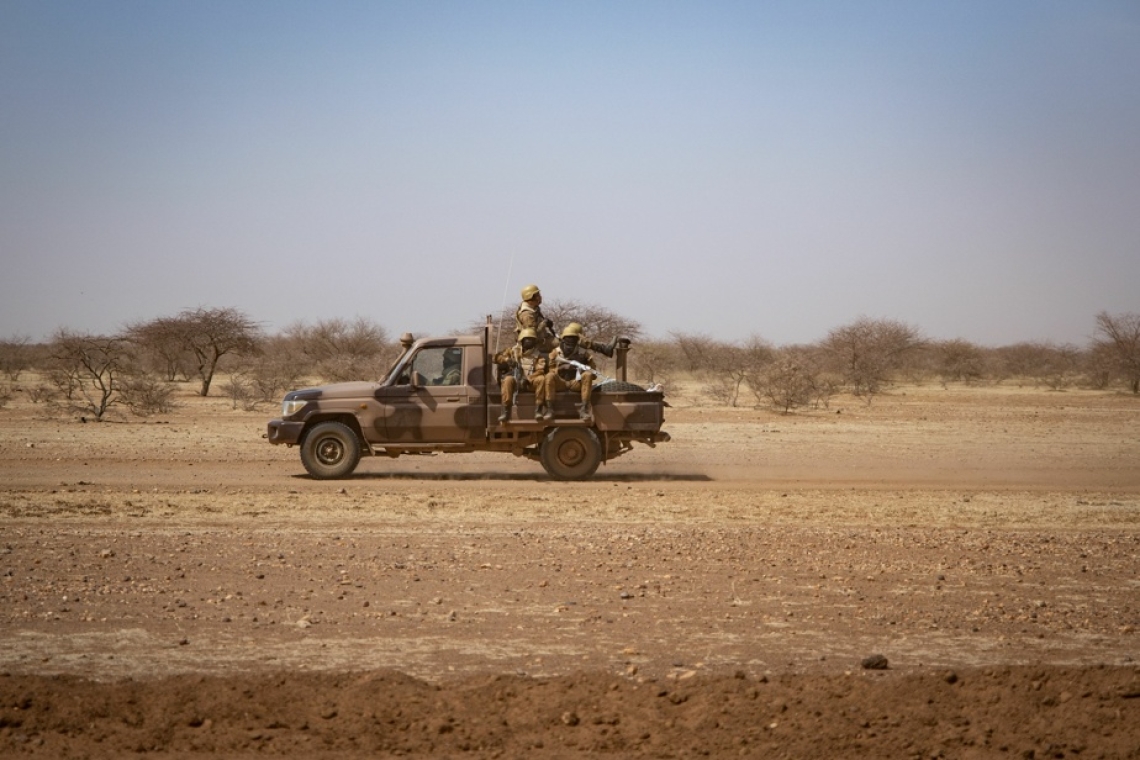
x: 522, y: 368
x: 452, y: 364
x: 529, y: 316
x: 570, y: 378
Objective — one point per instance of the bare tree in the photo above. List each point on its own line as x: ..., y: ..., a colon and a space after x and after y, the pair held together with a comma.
x: 1119, y: 334
x: 163, y: 346
x: 958, y: 361
x: 210, y: 334
x: 598, y: 322
x: 15, y: 356
x: 727, y: 368
x: 339, y: 350
x: 652, y: 361
x: 91, y: 368
x: 695, y: 350
x: 867, y: 352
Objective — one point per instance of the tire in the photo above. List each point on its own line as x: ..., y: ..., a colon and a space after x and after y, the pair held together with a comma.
x: 330, y: 450
x: 617, y: 386
x: 571, y: 453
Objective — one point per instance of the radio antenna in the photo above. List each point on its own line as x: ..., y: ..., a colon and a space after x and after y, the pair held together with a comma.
x: 503, y: 308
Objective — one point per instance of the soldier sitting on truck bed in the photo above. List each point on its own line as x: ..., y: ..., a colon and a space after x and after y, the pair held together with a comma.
x: 572, y: 368
x: 523, y: 366
x: 529, y: 315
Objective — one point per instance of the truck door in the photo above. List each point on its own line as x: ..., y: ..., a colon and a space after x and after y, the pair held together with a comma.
x: 430, y: 401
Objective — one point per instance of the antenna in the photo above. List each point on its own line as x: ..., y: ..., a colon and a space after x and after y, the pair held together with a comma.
x: 503, y: 308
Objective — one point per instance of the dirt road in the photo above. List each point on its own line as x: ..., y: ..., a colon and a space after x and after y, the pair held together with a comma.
x: 718, y: 595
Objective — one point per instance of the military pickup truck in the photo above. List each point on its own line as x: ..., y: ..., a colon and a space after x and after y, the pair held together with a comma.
x: 442, y: 396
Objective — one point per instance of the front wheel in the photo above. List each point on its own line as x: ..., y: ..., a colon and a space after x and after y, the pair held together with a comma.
x: 330, y: 450
x: 571, y: 453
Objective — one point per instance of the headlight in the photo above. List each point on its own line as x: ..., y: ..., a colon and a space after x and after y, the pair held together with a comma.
x: 292, y: 406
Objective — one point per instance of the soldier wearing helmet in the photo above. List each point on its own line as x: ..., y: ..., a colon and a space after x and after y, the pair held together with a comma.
x: 529, y: 315
x: 566, y: 376
x: 451, y: 374
x: 523, y: 366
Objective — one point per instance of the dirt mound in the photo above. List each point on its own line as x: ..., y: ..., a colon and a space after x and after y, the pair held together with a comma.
x: 1006, y: 712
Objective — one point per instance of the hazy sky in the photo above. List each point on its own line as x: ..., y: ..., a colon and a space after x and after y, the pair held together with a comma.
x: 970, y: 167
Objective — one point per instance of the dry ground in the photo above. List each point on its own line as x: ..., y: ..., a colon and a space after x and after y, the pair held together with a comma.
x: 179, y: 585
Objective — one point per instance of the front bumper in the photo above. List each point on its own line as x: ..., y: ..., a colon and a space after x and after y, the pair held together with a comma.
x: 281, y: 431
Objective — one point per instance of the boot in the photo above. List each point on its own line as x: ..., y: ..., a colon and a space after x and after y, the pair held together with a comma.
x: 505, y: 414
x: 548, y: 412
x: 539, y: 411
x: 585, y: 413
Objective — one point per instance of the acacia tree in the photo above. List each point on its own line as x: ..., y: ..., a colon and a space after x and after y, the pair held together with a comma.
x: 1119, y: 336
x: 867, y: 352
x: 210, y: 334
x: 162, y: 344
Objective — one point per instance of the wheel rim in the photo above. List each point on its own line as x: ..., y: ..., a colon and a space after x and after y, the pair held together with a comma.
x: 571, y: 453
x: 329, y: 451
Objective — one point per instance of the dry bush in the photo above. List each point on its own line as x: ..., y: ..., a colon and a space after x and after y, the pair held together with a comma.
x: 795, y: 378
x: 144, y: 395
x: 1044, y: 363
x: 335, y: 350
x: 241, y: 392
x: 868, y: 352
x: 16, y: 354
x: 654, y: 361
x: 42, y: 393
x: 724, y: 368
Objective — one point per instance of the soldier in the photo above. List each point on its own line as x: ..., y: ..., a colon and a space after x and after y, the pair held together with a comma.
x: 529, y: 314
x: 524, y: 365
x: 452, y: 364
x: 565, y: 376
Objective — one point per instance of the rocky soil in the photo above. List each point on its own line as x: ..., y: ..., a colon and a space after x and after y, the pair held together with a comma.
x: 942, y: 573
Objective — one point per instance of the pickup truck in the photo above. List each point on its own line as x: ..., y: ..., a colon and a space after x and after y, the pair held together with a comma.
x: 442, y: 396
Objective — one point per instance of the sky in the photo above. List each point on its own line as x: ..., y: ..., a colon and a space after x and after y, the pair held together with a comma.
x: 733, y: 169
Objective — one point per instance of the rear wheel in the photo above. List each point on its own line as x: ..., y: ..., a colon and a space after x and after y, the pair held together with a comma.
x: 571, y: 453
x: 330, y: 450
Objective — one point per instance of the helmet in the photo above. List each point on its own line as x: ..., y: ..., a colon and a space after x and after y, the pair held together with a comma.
x: 572, y: 330
x: 529, y: 292
x: 452, y: 354
x: 528, y: 333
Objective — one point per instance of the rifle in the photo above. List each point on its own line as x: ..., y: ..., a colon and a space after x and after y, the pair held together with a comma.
x: 583, y: 368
